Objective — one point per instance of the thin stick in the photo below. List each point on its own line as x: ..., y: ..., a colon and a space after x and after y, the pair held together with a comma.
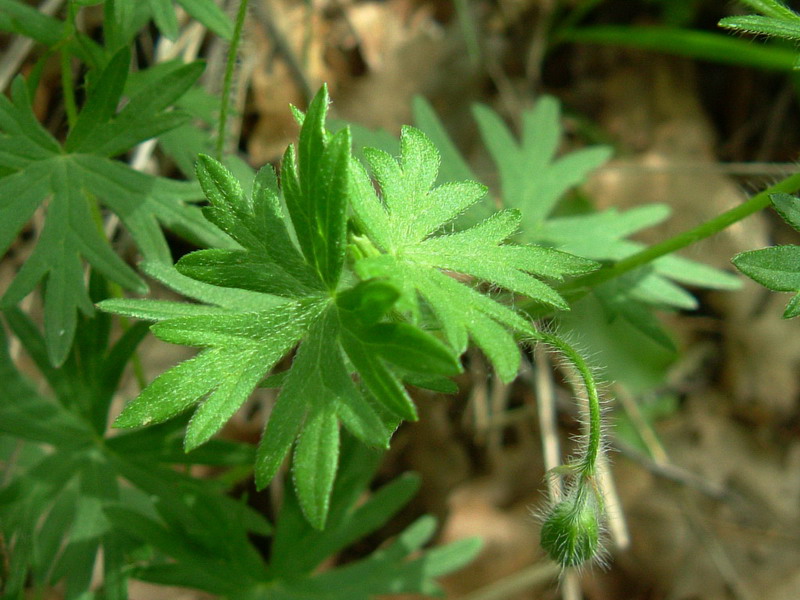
x: 526, y: 579
x: 545, y: 400
x: 615, y: 516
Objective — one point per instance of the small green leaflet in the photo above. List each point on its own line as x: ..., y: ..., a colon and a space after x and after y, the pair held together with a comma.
x: 406, y: 245
x: 338, y: 330
x: 778, y: 20
x: 777, y: 267
x: 75, y: 178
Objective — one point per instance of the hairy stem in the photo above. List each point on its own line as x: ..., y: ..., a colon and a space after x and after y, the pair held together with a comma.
x: 756, y: 203
x: 589, y: 459
x: 227, y: 83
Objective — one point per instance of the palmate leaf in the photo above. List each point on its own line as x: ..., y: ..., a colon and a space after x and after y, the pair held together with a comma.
x: 338, y: 330
x: 407, y: 247
x: 533, y: 179
x: 235, y: 570
x: 76, y: 177
x: 53, y: 502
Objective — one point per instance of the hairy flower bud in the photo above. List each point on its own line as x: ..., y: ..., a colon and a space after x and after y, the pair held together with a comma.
x: 571, y: 530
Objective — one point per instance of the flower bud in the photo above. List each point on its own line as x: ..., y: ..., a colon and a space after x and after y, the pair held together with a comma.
x: 571, y: 530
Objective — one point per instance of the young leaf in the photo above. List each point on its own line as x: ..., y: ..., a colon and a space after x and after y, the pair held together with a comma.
x: 315, y: 186
x: 268, y: 297
x: 401, y: 225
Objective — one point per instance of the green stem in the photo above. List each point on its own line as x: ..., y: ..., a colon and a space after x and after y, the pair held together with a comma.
x: 595, y: 430
x: 230, y: 66
x: 756, y: 203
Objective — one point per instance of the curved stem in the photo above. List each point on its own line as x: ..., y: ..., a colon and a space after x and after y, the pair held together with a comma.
x: 756, y: 203
x: 595, y: 433
x: 227, y: 83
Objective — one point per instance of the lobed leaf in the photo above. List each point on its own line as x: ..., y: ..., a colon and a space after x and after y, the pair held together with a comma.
x: 262, y: 297
x: 402, y: 223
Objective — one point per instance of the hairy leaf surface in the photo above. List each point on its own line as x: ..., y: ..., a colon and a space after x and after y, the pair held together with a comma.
x: 408, y: 245
x: 267, y: 296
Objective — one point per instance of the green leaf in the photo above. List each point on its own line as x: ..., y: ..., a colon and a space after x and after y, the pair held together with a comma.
x: 164, y: 16
x: 145, y: 115
x: 315, y: 182
x: 68, y: 234
x: 533, y: 181
x: 769, y: 26
x: 30, y: 416
x: 316, y: 456
x: 318, y: 378
x: 258, y: 227
x: 20, y: 18
x: 702, y: 45
x: 54, y: 508
x: 75, y: 182
x: 771, y: 8
x: 378, y: 378
x: 777, y: 267
x: 262, y: 296
x: 235, y: 569
x: 102, y: 100
x: 234, y: 361
x: 298, y: 550
x: 210, y: 15
x: 793, y: 308
x: 531, y: 177
x: 788, y: 208
x: 402, y: 226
